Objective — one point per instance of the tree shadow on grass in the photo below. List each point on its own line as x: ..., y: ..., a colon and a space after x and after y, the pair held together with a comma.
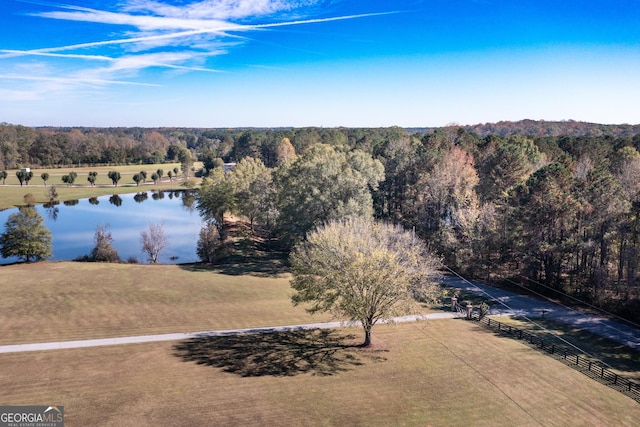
x: 317, y: 352
x: 259, y: 263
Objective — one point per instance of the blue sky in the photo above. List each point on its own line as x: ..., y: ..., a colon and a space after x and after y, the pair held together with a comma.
x: 268, y: 63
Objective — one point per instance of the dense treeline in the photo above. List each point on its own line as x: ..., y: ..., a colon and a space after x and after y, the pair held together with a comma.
x: 22, y: 146
x: 60, y: 146
x: 539, y: 128
x: 561, y: 210
x: 558, y: 212
x: 545, y: 128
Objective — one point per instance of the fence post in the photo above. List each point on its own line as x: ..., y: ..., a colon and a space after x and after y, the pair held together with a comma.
x: 469, y: 311
x: 454, y: 303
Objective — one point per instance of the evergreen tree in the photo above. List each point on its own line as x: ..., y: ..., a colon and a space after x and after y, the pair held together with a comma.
x: 209, y: 243
x: 26, y: 236
x: 325, y: 184
x: 253, y: 189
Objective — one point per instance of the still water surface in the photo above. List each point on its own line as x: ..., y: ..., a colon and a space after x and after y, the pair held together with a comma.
x: 73, y: 226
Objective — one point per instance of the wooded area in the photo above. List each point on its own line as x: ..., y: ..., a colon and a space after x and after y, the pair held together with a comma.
x: 555, y: 212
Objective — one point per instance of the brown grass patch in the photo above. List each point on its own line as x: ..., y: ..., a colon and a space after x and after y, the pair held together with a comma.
x: 54, y: 301
x: 621, y: 359
x: 447, y: 372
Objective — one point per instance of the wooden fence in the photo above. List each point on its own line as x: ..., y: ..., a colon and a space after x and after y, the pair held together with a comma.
x: 568, y: 356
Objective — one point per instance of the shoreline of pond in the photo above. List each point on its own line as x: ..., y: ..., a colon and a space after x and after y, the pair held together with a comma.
x: 73, y: 224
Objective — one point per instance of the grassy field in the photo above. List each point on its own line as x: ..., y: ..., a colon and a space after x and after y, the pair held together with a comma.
x: 52, y: 301
x: 446, y: 372
x: 433, y: 373
x: 620, y: 358
x: 12, y: 194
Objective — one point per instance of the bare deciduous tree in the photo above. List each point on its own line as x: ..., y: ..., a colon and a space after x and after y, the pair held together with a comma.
x: 104, y: 251
x: 362, y: 270
x: 153, y: 241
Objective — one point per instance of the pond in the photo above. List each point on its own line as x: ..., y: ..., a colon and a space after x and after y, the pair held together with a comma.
x: 73, y: 225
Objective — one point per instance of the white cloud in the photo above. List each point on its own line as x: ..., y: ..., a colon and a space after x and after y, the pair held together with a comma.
x: 155, y: 34
x: 72, y: 80
x: 218, y: 9
x: 160, y: 59
x: 142, y: 22
x: 219, y: 29
x: 9, y: 53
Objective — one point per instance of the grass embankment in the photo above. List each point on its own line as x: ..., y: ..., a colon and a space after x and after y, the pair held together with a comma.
x: 12, y: 194
x: 438, y: 373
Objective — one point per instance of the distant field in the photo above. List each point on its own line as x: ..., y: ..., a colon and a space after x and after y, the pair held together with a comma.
x: 433, y: 373
x: 12, y: 194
